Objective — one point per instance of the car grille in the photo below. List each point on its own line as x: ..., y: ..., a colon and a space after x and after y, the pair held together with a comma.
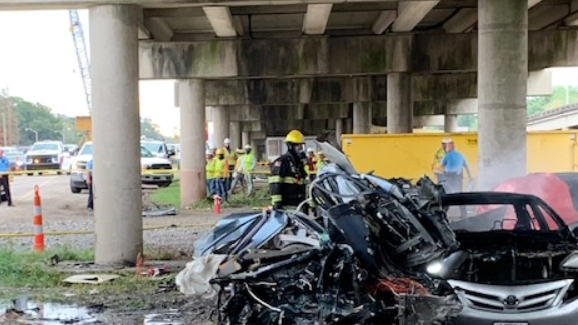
x: 511, y: 299
x: 161, y: 166
x: 41, y: 159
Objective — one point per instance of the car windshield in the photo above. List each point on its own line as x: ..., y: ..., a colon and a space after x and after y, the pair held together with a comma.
x: 144, y: 153
x: 86, y: 149
x: 153, y: 147
x: 45, y: 146
x: 515, y: 215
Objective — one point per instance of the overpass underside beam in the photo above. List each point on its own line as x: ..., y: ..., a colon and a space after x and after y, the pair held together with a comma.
x: 340, y: 56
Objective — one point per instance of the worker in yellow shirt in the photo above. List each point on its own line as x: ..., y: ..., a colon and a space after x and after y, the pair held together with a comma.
x: 437, y: 167
x: 231, y: 159
x: 221, y: 174
x: 210, y: 173
x: 321, y: 161
x: 238, y: 173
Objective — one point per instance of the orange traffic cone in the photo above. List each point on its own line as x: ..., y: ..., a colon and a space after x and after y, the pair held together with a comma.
x: 217, y: 204
x: 37, y: 222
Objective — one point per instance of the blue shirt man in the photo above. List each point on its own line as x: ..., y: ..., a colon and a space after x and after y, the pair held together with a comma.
x: 4, y: 163
x: 454, y: 163
x: 90, y: 203
x: 4, y: 178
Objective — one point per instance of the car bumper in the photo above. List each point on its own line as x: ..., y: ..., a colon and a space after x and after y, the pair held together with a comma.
x: 54, y: 166
x: 156, y: 178
x: 562, y: 315
x: 77, y: 180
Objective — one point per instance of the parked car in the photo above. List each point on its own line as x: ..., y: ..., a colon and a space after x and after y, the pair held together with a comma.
x: 45, y: 155
x: 16, y: 157
x: 157, y: 148
x: 156, y: 171
x: 517, y: 262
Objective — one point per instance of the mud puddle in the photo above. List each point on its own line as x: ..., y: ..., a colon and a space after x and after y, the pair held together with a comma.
x: 23, y: 311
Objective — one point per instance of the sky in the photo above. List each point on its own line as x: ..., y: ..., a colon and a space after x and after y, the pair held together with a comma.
x: 38, y: 63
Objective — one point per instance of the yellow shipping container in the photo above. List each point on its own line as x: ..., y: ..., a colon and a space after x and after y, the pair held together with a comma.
x: 411, y: 155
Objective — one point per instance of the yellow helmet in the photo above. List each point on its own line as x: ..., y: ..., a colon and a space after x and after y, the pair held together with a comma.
x: 221, y: 151
x: 295, y: 136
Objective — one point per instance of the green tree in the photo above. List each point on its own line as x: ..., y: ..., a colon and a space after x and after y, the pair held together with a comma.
x: 38, y: 118
x: 150, y: 130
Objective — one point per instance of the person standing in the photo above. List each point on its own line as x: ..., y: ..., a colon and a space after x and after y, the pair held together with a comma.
x: 210, y: 172
x: 288, y: 176
x: 238, y: 174
x: 231, y: 159
x: 90, y: 203
x: 221, y: 174
x: 5, y: 178
x: 311, y: 164
x: 249, y: 165
x: 437, y: 167
x: 454, y: 163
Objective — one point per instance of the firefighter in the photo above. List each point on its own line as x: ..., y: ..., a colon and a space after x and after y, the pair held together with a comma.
x: 311, y: 164
x: 221, y: 174
x: 288, y: 175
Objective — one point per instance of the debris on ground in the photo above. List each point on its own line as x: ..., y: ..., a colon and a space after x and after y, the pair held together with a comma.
x: 90, y: 278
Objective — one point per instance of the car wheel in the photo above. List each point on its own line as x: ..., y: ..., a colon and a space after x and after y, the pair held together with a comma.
x: 75, y: 190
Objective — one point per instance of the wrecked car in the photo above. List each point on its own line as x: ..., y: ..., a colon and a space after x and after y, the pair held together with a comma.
x: 363, y: 261
x: 517, y: 262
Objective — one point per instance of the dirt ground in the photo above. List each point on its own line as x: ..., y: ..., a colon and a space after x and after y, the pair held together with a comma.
x: 64, y: 211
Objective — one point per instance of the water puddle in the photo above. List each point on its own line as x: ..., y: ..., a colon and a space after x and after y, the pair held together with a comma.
x: 22, y: 311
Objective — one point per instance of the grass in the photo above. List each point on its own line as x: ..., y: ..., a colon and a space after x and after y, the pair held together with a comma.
x: 30, y: 269
x: 172, y: 196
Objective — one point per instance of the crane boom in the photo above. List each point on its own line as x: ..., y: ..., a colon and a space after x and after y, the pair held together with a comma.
x: 81, y: 55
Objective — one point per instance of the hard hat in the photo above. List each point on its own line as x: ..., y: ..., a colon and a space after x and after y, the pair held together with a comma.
x: 221, y: 151
x: 447, y: 140
x: 295, y: 136
x: 208, y: 152
x: 320, y: 153
x: 240, y: 151
x: 227, y: 141
x: 310, y: 150
x: 247, y: 146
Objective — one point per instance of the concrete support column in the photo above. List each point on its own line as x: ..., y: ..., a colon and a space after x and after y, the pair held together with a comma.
x: 399, y: 103
x: 502, y: 89
x: 220, y: 125
x: 246, y: 138
x: 235, y: 134
x: 338, y: 129
x: 349, y: 126
x: 361, y: 118
x: 192, y: 173
x: 450, y: 123
x: 116, y: 134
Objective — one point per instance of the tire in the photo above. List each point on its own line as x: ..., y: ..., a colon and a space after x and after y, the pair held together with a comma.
x: 75, y: 190
x: 30, y: 174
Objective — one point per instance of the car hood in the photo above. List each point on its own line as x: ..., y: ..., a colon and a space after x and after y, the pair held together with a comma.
x: 154, y: 160
x: 42, y: 152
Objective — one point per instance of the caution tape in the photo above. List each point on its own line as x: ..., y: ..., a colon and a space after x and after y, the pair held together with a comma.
x: 88, y: 232
x: 83, y: 171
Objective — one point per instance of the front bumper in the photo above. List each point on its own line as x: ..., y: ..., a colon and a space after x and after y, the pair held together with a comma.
x: 43, y: 166
x: 77, y: 180
x: 555, y: 311
x: 156, y: 177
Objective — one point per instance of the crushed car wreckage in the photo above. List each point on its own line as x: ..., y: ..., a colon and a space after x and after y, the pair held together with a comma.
x: 363, y: 261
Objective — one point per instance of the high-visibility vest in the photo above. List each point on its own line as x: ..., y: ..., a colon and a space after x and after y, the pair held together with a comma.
x: 248, y: 161
x: 239, y: 164
x: 210, y: 169
x: 221, y: 168
x: 230, y: 157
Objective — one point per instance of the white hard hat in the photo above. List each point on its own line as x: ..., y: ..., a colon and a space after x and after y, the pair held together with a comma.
x: 447, y: 140
x: 208, y: 152
x: 310, y: 150
x: 227, y: 141
x: 247, y: 146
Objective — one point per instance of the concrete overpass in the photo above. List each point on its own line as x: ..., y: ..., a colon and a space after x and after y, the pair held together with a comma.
x: 563, y: 118
x: 265, y: 66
